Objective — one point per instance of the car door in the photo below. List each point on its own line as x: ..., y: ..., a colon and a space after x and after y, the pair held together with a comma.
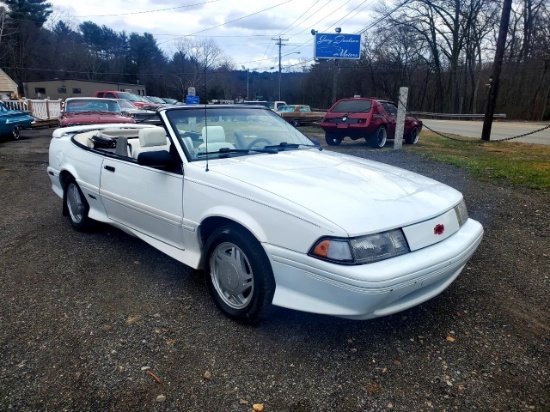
x: 391, y: 117
x: 146, y: 199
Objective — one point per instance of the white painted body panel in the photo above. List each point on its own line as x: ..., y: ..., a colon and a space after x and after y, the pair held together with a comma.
x: 287, y: 201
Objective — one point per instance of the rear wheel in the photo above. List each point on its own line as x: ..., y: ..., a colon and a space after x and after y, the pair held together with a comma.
x: 238, y: 274
x: 412, y: 137
x: 333, y: 139
x: 379, y: 138
x: 77, y: 207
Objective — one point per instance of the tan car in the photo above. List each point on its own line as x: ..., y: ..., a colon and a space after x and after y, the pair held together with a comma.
x: 299, y: 114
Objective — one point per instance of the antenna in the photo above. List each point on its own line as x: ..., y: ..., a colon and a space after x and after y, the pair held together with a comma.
x: 205, y: 117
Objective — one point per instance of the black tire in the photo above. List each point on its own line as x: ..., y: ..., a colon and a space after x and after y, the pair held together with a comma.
x: 16, y: 133
x: 379, y: 138
x: 76, y: 207
x: 412, y: 137
x: 333, y: 139
x: 295, y: 123
x: 238, y: 274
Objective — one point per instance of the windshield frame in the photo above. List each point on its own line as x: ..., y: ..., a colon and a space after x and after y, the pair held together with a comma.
x: 246, y: 131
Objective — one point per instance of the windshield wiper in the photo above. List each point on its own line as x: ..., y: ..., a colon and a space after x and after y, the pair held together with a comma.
x: 285, y: 145
x: 226, y: 151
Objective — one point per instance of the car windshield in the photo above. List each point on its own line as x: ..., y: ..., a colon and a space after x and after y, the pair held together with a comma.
x: 352, y: 106
x: 129, y: 96
x: 155, y: 99
x: 286, y: 109
x: 125, y: 104
x: 91, y: 105
x: 233, y: 131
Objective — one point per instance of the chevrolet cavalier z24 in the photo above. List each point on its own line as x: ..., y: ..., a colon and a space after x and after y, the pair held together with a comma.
x: 270, y: 217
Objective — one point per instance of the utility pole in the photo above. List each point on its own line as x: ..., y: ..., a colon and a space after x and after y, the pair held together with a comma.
x: 497, y: 68
x: 280, y: 44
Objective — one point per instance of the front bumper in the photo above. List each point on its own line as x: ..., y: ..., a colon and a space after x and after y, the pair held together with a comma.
x: 372, y: 290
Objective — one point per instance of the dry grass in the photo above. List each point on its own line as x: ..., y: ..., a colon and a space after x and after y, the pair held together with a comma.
x: 521, y: 164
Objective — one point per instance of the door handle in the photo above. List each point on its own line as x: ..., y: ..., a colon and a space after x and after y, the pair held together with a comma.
x: 109, y: 168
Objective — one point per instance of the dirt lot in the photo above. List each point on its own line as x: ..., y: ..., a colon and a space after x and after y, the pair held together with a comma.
x: 90, y: 321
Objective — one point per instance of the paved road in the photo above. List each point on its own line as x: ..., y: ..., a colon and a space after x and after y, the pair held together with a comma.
x: 500, y: 130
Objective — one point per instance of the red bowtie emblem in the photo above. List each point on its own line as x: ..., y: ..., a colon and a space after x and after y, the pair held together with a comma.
x: 439, y: 229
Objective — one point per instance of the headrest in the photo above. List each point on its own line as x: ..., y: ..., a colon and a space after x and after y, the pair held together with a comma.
x: 215, y: 134
x: 152, y: 136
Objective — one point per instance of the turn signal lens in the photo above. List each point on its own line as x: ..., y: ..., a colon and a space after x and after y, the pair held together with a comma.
x: 461, y: 213
x: 333, y: 249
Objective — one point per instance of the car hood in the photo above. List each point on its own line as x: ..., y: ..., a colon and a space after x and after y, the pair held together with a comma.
x: 359, y: 196
x: 13, y: 113
x: 93, y: 118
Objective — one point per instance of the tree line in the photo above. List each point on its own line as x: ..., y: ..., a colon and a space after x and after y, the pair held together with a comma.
x: 441, y: 49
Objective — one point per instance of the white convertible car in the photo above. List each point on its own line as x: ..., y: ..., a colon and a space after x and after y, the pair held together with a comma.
x: 271, y: 217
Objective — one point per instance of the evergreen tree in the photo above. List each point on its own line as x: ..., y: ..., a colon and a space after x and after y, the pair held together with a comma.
x: 36, y: 11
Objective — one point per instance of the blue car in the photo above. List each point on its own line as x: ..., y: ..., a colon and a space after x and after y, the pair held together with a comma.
x: 12, y: 121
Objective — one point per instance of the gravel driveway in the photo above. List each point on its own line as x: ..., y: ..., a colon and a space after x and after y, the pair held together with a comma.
x: 104, y: 322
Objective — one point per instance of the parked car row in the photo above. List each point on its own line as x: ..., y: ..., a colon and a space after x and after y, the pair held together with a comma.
x: 374, y: 120
x: 112, y: 106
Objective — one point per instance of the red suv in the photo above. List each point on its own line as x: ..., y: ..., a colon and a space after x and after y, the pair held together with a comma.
x: 368, y: 118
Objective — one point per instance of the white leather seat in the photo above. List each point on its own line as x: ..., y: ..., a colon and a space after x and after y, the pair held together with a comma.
x: 150, y: 139
x: 215, y: 136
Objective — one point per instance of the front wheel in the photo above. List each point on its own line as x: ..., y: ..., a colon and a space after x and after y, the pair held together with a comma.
x: 379, y: 138
x: 16, y: 133
x: 295, y: 123
x: 412, y: 137
x: 238, y: 274
x: 333, y: 139
x: 77, y: 207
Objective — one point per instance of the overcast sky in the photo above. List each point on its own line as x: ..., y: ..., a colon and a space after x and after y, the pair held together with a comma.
x: 243, y: 29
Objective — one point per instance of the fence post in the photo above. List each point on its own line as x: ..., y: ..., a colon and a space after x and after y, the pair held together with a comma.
x: 47, y: 109
x: 400, y: 121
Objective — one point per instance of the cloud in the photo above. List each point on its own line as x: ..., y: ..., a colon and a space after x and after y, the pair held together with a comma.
x: 258, y: 22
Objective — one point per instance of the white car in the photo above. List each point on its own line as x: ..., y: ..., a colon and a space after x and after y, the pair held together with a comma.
x: 271, y: 217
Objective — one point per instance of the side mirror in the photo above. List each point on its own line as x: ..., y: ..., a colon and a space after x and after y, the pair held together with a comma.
x: 157, y: 158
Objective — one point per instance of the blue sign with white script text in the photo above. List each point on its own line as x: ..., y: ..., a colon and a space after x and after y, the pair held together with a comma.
x: 337, y: 46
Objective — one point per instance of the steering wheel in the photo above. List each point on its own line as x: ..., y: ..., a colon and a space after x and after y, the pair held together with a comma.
x: 239, y: 139
x: 256, y: 141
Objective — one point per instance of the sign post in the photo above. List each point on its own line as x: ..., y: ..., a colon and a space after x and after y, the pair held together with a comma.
x: 401, y: 113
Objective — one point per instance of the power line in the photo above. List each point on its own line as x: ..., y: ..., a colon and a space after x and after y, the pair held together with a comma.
x: 230, y: 21
x: 374, y: 23
x: 148, y: 11
x: 266, y: 52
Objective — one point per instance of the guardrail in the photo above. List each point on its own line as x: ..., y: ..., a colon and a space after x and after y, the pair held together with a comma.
x: 42, y: 110
x: 457, y: 116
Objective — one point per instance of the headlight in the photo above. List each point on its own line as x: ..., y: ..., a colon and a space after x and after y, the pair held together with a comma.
x: 361, y: 250
x: 461, y: 213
